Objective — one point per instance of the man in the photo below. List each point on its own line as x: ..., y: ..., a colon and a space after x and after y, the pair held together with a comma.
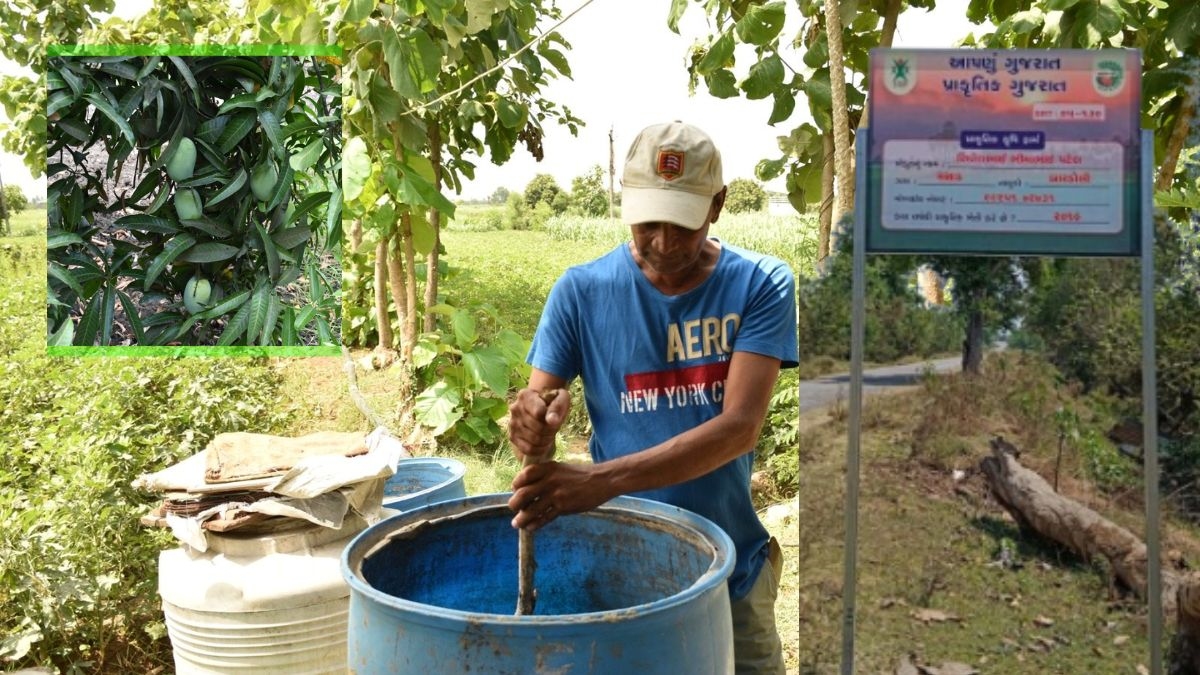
x: 678, y: 339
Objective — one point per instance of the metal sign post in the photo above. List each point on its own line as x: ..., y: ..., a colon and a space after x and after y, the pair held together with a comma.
x: 1150, y: 410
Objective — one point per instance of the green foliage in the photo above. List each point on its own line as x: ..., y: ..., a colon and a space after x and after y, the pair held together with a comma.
x: 499, y: 196
x: 212, y: 122
x: 13, y: 203
x: 542, y: 188
x: 897, y: 322
x: 745, y: 196
x: 467, y: 369
x: 77, y: 572
x: 779, y: 441
x: 516, y: 213
x: 589, y: 195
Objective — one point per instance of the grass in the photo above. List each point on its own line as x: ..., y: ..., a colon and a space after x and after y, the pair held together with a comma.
x: 28, y: 222
x: 928, y: 542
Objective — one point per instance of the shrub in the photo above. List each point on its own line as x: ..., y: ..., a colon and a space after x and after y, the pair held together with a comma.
x: 745, y: 196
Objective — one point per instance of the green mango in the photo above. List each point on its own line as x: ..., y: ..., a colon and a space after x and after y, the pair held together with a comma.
x: 262, y: 181
x: 183, y: 163
x: 196, y: 294
x: 188, y: 205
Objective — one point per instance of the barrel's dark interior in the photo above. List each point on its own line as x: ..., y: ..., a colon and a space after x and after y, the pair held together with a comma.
x: 591, y: 562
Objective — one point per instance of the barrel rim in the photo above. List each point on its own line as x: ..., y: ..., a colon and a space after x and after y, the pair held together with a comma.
x: 712, y: 578
x: 457, y: 471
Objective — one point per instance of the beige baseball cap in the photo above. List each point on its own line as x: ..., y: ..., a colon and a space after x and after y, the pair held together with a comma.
x: 671, y: 174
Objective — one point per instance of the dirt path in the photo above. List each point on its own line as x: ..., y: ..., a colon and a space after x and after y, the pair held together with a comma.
x: 824, y: 391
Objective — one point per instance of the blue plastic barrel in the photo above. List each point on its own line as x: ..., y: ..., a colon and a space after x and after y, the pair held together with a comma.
x: 634, y: 586
x: 424, y: 480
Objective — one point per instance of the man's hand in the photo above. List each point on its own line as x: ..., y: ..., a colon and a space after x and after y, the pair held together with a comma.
x: 533, y: 423
x: 542, y: 492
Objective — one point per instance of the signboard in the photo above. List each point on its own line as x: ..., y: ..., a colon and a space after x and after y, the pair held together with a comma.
x: 1004, y: 152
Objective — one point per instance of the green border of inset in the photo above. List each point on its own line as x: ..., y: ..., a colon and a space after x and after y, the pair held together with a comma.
x: 194, y: 50
x: 174, y: 352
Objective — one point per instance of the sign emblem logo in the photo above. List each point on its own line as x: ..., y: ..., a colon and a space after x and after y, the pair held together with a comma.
x: 901, y: 75
x: 1108, y: 77
x: 670, y: 164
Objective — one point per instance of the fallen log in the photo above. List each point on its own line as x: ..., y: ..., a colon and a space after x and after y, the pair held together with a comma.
x: 1038, y: 508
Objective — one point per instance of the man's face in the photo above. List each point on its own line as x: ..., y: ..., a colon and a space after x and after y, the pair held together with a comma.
x: 669, y: 249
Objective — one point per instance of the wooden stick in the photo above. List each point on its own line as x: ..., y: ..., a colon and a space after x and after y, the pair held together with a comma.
x: 527, y: 563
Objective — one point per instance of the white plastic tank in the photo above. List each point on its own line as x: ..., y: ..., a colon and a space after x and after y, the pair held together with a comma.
x: 267, y: 604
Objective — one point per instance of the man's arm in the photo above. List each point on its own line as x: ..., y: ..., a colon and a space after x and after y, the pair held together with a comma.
x: 544, y: 491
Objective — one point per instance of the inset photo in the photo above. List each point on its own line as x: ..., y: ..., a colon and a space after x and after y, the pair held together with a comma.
x: 194, y: 200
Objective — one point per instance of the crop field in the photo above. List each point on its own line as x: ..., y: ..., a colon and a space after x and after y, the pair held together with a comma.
x: 28, y: 222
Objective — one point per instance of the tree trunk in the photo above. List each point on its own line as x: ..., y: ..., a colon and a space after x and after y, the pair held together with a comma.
x: 399, y: 286
x: 356, y: 235
x: 1179, y: 134
x: 825, y: 215
x: 972, y: 355
x: 1184, y: 655
x: 383, y: 320
x: 891, y: 16
x: 409, y: 337
x: 435, y: 220
x: 841, y: 115
x: 1038, y: 508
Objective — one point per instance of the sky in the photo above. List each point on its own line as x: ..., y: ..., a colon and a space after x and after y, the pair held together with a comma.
x: 628, y: 72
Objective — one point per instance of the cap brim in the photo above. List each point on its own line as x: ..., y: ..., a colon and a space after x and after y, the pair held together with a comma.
x: 658, y: 205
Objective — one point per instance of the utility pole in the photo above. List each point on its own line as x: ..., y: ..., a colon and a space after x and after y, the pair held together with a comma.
x: 611, y: 173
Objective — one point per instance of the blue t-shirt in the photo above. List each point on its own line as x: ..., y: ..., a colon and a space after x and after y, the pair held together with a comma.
x: 654, y: 366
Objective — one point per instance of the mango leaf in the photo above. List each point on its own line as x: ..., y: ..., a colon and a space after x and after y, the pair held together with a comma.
x: 235, y: 327
x: 239, y: 101
x: 487, y: 367
x: 209, y: 251
x: 60, y: 239
x: 63, y: 336
x: 270, y: 124
x: 141, y: 222
x: 131, y: 313
x: 304, y: 159
x: 104, y: 107
x: 259, y: 306
x: 269, y: 249
x: 356, y: 167
x: 108, y: 308
x: 187, y: 77
x: 291, y: 237
x: 172, y: 250
x: 274, y: 307
x: 438, y: 407
x: 64, y: 275
x: 236, y: 130
x: 308, y: 204
x: 225, y: 306
x: 283, y: 188
x: 89, y: 323
x: 231, y: 188
x: 333, y: 220
x: 287, y: 327
x: 761, y: 23
x: 208, y: 226
x: 210, y: 130
x: 159, y: 201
